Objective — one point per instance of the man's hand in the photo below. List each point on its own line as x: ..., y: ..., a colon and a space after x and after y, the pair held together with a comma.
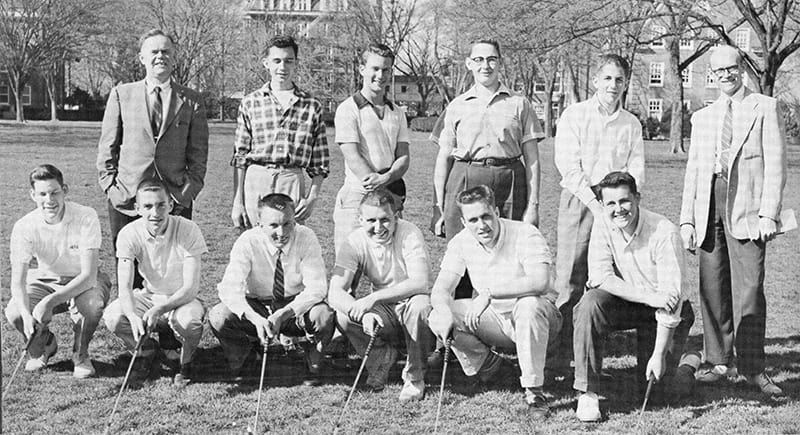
x: 370, y: 322
x: 438, y: 227
x: 655, y: 367
x: 663, y: 300
x: 531, y: 215
x: 440, y: 321
x: 239, y: 216
x: 137, y: 326
x: 28, y: 324
x: 304, y: 208
x: 276, y: 320
x: 262, y: 325
x: 360, y: 308
x: 767, y: 228
x: 43, y: 311
x: 689, y: 236
x: 374, y: 180
x: 476, y: 308
x: 151, y: 316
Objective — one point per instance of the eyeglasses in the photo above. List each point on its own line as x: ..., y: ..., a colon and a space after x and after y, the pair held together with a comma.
x: 491, y: 60
x: 733, y: 69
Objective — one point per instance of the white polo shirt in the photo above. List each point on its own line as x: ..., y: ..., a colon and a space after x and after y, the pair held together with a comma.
x: 57, y: 247
x: 520, y: 247
x: 161, y: 258
x: 377, y: 138
x: 385, y: 265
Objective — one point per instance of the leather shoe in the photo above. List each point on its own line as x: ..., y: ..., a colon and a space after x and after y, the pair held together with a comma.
x: 710, y: 375
x: 538, y: 408
x: 765, y: 384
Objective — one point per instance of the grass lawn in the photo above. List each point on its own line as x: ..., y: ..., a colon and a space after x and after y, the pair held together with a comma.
x: 54, y: 402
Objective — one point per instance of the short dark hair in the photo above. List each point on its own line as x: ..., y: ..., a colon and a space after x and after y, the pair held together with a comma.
x: 480, y: 193
x: 612, y: 59
x: 46, y: 172
x: 154, y: 32
x: 282, y: 41
x: 277, y: 201
x: 492, y: 42
x: 379, y: 197
x: 616, y: 179
x: 381, y: 50
x: 152, y: 184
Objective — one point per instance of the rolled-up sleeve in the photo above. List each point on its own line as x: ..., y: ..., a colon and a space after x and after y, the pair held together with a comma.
x: 244, y: 138
x: 312, y: 269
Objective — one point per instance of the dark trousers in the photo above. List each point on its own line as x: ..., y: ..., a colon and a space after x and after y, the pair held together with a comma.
x: 598, y: 313
x: 731, y: 292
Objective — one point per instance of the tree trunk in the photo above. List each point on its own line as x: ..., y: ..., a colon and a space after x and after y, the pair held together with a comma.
x: 675, y: 93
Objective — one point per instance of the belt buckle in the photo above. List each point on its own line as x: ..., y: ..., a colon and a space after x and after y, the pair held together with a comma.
x: 490, y: 161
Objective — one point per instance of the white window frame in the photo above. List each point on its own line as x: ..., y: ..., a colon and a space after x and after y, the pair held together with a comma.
x: 655, y: 105
x: 538, y: 85
x: 711, y: 79
x: 686, y: 44
x: 27, y: 94
x: 742, y: 39
x: 656, y: 76
x: 657, y: 32
x: 557, y: 85
x: 687, y: 105
x: 5, y: 97
x: 686, y: 77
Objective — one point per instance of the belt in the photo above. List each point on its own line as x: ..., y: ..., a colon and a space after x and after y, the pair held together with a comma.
x: 270, y: 165
x: 491, y: 161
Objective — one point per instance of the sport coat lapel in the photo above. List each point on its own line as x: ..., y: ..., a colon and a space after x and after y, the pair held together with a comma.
x: 743, y: 121
x: 175, y: 104
x: 142, y: 108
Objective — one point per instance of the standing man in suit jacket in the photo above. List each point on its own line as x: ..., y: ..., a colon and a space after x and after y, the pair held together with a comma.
x: 152, y: 128
x: 732, y: 199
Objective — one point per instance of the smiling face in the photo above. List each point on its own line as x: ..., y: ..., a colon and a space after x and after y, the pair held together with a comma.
x: 481, y: 220
x: 50, y: 199
x: 622, y: 207
x: 725, y: 66
x: 278, y: 225
x: 610, y: 85
x: 484, y: 63
x: 154, y: 207
x: 379, y: 222
x: 376, y: 72
x: 156, y: 54
x: 282, y: 65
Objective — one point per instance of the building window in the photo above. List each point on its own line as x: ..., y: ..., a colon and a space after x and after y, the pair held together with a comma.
x: 557, y: 84
x: 539, y: 109
x: 687, y: 44
x: 656, y: 34
x: 403, y: 89
x: 26, y: 96
x: 538, y: 85
x: 656, y: 73
x: 687, y: 105
x: 686, y: 76
x: 654, y: 108
x: 712, y: 36
x: 556, y: 109
x: 711, y: 79
x: 4, y: 94
x: 742, y: 39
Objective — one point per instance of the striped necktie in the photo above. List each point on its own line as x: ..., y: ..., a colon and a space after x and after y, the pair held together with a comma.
x: 158, y: 112
x: 725, y: 140
x: 277, y: 285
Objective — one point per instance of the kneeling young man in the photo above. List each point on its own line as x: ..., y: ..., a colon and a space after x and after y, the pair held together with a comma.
x: 391, y: 253
x: 64, y: 237
x: 167, y: 249
x: 513, y: 302
x: 275, y: 283
x: 636, y: 280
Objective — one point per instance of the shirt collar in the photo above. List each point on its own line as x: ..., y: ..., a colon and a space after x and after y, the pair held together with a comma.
x: 165, y: 87
x: 599, y: 107
x: 151, y: 238
x: 501, y: 238
x: 273, y: 250
x: 267, y: 90
x: 638, y: 230
x: 737, y: 96
x: 362, y: 101
x: 473, y: 92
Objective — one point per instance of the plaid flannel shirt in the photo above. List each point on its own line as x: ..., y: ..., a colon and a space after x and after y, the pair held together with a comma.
x: 294, y: 138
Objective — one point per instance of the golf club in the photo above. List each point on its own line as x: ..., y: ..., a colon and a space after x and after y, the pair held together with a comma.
x: 358, y: 376
x: 21, y: 358
x: 447, y: 345
x: 125, y: 380
x: 260, y: 389
x: 646, y: 397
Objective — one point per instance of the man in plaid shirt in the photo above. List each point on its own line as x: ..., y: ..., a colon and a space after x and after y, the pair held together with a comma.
x: 279, y: 132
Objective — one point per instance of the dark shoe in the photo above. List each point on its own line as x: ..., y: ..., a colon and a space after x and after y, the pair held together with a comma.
x: 681, y: 384
x: 491, y: 367
x: 184, y: 376
x: 714, y: 374
x: 379, y: 363
x: 538, y: 407
x: 313, y: 364
x: 436, y: 358
x: 764, y: 383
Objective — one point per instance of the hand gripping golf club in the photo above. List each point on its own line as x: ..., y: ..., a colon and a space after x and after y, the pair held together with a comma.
x: 358, y: 376
x: 260, y: 389
x: 125, y: 380
x: 646, y: 397
x: 447, y: 344
x: 19, y: 363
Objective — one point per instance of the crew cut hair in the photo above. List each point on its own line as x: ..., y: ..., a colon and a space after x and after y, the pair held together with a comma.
x: 378, y: 48
x: 277, y: 201
x: 492, y: 42
x: 46, y: 172
x: 154, y: 32
x: 480, y: 193
x: 379, y: 197
x: 152, y: 184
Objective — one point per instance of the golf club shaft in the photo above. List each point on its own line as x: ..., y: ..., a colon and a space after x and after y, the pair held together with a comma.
x: 447, y: 345
x: 19, y: 364
x: 260, y: 387
x: 646, y: 397
x: 125, y: 380
x: 358, y: 376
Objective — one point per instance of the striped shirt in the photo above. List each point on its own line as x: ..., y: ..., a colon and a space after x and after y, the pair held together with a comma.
x: 292, y: 137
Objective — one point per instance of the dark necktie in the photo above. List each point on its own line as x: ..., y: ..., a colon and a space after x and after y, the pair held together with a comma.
x: 277, y: 285
x: 725, y: 140
x: 158, y: 111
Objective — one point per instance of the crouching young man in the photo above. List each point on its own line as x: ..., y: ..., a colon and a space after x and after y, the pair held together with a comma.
x: 513, y: 302
x: 636, y: 280
x: 391, y: 253
x: 168, y: 251
x: 64, y: 237
x: 275, y: 283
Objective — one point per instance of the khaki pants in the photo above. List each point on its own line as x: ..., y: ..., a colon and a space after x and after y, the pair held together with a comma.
x: 260, y: 181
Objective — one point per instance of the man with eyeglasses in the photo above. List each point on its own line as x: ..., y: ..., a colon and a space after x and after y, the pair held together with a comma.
x: 732, y: 198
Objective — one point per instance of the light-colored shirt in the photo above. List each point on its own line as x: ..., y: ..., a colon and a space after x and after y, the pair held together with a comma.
x: 377, y: 138
x: 57, y: 247
x: 166, y: 99
x: 385, y: 265
x: 161, y: 257
x: 650, y: 260
x: 520, y: 248
x: 251, y: 271
x: 736, y: 108
x: 477, y: 129
x: 590, y: 144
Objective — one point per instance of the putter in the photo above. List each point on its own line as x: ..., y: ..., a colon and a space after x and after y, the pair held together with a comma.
x: 646, y: 396
x: 260, y: 389
x: 21, y: 358
x: 125, y: 380
x: 358, y: 376
x: 447, y: 345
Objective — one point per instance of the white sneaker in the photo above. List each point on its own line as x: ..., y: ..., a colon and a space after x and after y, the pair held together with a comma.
x: 588, y: 408
x: 83, y: 369
x: 412, y: 390
x: 35, y: 364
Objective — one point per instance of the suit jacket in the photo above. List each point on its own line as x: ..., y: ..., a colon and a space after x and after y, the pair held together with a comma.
x: 128, y: 151
x: 756, y: 168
